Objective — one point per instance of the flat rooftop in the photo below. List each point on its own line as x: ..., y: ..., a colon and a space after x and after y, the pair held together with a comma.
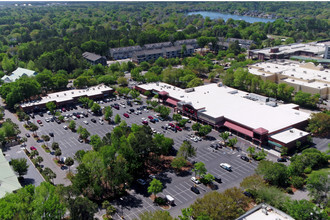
x: 69, y: 95
x: 313, y: 47
x: 259, y: 213
x: 223, y: 101
x: 289, y: 135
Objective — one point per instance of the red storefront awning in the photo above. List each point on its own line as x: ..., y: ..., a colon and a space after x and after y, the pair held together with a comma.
x: 238, y: 129
x: 163, y: 93
x: 172, y: 101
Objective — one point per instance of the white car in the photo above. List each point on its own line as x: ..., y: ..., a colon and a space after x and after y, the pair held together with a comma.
x: 48, y: 112
x: 101, y: 122
x: 74, y: 117
x: 136, y: 112
x: 47, y: 120
x: 66, y: 118
x: 65, y: 127
x: 82, y: 116
x: 146, y: 110
x: 225, y: 166
x: 86, y: 122
x: 143, y: 119
x: 195, y: 180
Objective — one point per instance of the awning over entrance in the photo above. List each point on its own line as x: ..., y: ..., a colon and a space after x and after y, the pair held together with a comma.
x: 274, y: 143
x: 163, y: 93
x: 238, y: 129
x: 171, y: 101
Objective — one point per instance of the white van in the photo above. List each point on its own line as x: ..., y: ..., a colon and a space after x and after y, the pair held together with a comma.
x: 225, y: 166
x: 170, y: 199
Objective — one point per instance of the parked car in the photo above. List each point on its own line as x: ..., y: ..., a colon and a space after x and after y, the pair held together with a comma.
x: 245, y: 158
x: 80, y: 140
x: 178, y: 128
x: 65, y: 127
x: 142, y: 182
x: 33, y: 148
x: 86, y: 122
x: 77, y: 115
x: 281, y: 159
x: 171, y: 124
x: 195, y: 180
x: 152, y: 120
x: 27, y: 135
x: 101, y: 122
x: 150, y: 117
x: 225, y: 166
x: 126, y: 115
x: 51, y: 134
x: 195, y: 190
x: 145, y: 122
x: 93, y: 120
x: 39, y: 122
x: 218, y: 180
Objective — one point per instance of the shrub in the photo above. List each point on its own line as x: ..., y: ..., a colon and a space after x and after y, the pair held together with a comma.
x: 289, y: 190
x: 297, y: 182
x: 307, y: 170
x: 160, y: 201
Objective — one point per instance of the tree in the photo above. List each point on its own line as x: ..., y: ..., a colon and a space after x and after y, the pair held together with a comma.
x: 61, y: 118
x: 46, y: 138
x: 51, y: 107
x: 108, y: 113
x: 318, y: 185
x: 79, y: 155
x: 163, y: 111
x: 82, y: 208
x: 179, y: 162
x: 155, y: 187
x: 297, y: 181
x: 134, y: 94
x: 186, y: 150
x: 122, y: 81
x: 319, y: 124
x: 55, y: 146
x: 69, y: 162
x: 229, y: 204
x: 232, y: 142
x: 163, y: 215
x: 195, y: 82
x: 49, y: 173
x: 34, y: 153
x: 72, y: 125
x: 96, y: 108
x: 199, y: 169
x: 177, y: 117
x: 251, y: 150
x: 208, y: 178
x: 96, y: 142
x: 274, y: 173
x: 83, y: 133
x: 261, y: 155
x: 117, y: 119
x: 304, y: 210
x: 252, y: 184
x: 39, y: 160
x: 205, y: 130
x: 196, y: 126
x: 20, y: 166
x: 58, y: 152
x: 272, y: 195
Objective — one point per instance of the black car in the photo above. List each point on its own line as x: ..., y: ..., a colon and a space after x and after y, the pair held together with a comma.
x: 153, y: 120
x: 51, y: 134
x: 281, y: 160
x: 218, y: 180
x: 248, y: 194
x: 27, y: 135
x: 195, y: 190
x: 93, y: 120
x: 132, y: 110
x: 245, y: 158
x: 214, y: 146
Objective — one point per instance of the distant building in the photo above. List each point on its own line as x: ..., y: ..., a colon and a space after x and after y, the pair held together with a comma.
x: 68, y: 97
x: 223, y: 43
x: 95, y: 58
x: 18, y: 73
x: 157, y: 45
x: 123, y: 52
x: 265, y: 212
x: 313, y: 49
x: 190, y: 42
x: 327, y: 52
x: 304, y: 77
x: 8, y: 179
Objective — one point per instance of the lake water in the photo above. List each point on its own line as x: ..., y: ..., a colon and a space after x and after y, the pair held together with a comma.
x: 225, y: 17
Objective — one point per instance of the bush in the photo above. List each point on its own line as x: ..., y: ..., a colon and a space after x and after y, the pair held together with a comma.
x: 307, y: 170
x: 160, y: 201
x: 289, y: 190
x: 297, y: 182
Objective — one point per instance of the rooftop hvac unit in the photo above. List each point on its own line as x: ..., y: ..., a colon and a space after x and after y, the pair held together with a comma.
x: 291, y: 131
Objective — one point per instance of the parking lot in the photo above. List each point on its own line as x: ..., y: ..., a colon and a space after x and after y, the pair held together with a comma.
x: 178, y: 186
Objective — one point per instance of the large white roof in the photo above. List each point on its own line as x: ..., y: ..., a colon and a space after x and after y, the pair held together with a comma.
x: 289, y: 135
x: 219, y: 102
x: 69, y: 95
x: 18, y: 73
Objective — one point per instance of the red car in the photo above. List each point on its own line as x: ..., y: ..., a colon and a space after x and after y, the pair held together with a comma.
x: 78, y: 116
x: 63, y: 110
x: 126, y: 115
x: 172, y: 125
x: 39, y: 121
x: 178, y: 128
x: 145, y: 122
x: 150, y: 117
x: 33, y: 148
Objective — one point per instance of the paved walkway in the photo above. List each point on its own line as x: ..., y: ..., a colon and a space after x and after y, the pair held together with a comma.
x: 48, y: 158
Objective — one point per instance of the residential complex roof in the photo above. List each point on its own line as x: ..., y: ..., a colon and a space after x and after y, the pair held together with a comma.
x: 18, y: 73
x: 222, y: 101
x: 8, y: 179
x: 91, y: 56
x: 69, y: 95
x: 264, y: 212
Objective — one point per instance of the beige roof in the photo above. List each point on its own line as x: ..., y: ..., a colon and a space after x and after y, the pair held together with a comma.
x: 8, y: 179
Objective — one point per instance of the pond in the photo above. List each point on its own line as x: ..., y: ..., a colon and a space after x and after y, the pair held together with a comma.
x: 225, y: 17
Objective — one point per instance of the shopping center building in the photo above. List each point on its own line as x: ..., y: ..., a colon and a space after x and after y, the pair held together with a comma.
x: 251, y: 116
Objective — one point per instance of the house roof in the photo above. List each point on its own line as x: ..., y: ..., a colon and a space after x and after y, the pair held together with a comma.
x: 18, y: 73
x: 125, y: 49
x: 8, y: 179
x: 91, y: 56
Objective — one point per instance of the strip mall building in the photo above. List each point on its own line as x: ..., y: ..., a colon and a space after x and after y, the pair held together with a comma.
x: 250, y: 116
